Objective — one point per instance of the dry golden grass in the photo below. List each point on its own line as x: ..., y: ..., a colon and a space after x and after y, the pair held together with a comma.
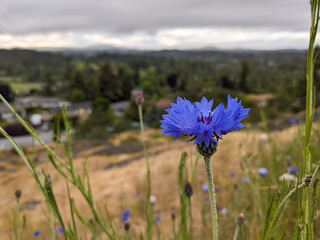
x: 117, y: 187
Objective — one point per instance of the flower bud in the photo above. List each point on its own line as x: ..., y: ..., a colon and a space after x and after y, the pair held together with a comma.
x: 188, y: 190
x: 307, y: 179
x: 139, y: 97
x: 153, y: 200
x: 127, y: 226
x: 18, y: 193
x: 207, y: 151
x: 240, y: 219
x: 173, y: 216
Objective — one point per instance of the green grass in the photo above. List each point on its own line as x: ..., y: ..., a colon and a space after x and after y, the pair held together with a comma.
x: 24, y: 86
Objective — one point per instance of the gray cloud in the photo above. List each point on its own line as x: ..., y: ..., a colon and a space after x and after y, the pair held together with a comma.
x: 127, y: 16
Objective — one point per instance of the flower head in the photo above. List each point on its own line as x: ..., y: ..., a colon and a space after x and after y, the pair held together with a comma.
x: 198, y: 120
x: 125, y: 215
x: 18, y: 193
x: 240, y: 218
x: 139, y: 97
x: 245, y: 180
x: 292, y: 120
x: 36, y: 233
x: 205, y: 187
x: 59, y: 229
x: 188, y: 189
x: 158, y: 218
x: 224, y: 211
x: 263, y: 172
x: 287, y: 177
x: 293, y: 170
x: 127, y: 226
x: 153, y: 200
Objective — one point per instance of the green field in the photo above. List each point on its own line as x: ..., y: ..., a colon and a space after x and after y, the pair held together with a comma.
x: 24, y: 86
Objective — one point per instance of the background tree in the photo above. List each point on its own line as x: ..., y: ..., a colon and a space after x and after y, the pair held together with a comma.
x: 6, y: 92
x: 243, y: 83
x: 49, y: 85
x: 108, y: 82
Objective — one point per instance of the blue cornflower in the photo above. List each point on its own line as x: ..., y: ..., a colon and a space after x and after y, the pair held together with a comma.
x: 292, y: 120
x: 245, y: 180
x: 263, y: 172
x: 158, y: 218
x: 59, y: 230
x: 205, y: 187
x: 125, y: 215
x: 218, y: 208
x: 217, y: 189
x: 198, y: 120
x: 36, y: 233
x: 232, y: 175
x: 293, y: 170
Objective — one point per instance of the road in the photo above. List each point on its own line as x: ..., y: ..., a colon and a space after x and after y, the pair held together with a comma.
x: 25, y: 141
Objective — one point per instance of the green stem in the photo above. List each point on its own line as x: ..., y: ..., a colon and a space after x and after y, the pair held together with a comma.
x: 16, y: 220
x: 279, y: 210
x: 190, y: 217
x: 174, y: 229
x: 308, y: 226
x: 212, y: 197
x: 149, y: 210
x: 236, y: 232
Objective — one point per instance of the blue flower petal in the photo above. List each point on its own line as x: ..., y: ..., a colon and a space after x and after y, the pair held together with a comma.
x: 204, y: 107
x: 199, y: 121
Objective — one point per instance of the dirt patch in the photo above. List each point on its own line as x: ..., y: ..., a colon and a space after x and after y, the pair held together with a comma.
x: 125, y: 149
x: 30, y: 205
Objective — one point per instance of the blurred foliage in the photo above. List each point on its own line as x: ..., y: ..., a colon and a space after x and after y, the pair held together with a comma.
x: 99, y: 124
x: 166, y: 75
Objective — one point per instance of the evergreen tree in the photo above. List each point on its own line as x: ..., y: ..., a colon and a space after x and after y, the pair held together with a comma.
x: 48, y: 89
x: 109, y: 85
x: 6, y: 92
x: 243, y: 84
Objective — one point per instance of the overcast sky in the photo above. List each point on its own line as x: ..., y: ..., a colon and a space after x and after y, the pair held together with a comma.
x: 155, y: 24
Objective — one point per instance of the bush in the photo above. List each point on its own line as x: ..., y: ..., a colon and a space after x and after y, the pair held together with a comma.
x: 77, y: 95
x: 98, y: 125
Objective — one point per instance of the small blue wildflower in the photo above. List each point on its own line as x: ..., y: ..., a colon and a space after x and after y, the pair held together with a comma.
x: 224, y: 211
x: 36, y: 233
x: 218, y: 208
x: 293, y: 170
x: 232, y: 175
x: 205, y: 187
x: 206, y: 199
x: 158, y: 218
x: 263, y: 172
x: 245, y: 180
x: 292, y: 120
x: 217, y: 189
x: 59, y: 229
x: 198, y: 120
x: 125, y: 215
